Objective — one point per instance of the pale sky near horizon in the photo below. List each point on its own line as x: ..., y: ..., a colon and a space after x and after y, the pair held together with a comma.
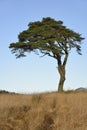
x: 35, y: 74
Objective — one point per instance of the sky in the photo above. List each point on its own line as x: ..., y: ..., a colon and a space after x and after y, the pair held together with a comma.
x: 32, y: 73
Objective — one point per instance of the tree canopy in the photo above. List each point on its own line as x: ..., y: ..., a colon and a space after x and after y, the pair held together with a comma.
x: 48, y: 37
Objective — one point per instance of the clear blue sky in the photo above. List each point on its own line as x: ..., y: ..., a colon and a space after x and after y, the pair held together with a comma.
x: 34, y: 74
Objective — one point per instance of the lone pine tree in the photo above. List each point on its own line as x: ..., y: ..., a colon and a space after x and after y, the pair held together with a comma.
x: 51, y: 38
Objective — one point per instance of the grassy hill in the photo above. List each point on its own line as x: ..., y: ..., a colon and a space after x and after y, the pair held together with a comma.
x: 46, y: 111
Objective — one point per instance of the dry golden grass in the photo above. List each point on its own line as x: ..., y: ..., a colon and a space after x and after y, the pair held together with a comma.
x: 48, y: 111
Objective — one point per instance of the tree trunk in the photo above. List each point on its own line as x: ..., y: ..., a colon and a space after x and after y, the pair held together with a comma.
x: 61, y: 70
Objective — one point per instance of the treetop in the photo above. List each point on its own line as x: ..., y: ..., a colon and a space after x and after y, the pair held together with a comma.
x: 50, y: 37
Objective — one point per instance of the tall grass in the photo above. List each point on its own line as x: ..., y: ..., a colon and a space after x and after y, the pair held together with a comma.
x: 47, y: 111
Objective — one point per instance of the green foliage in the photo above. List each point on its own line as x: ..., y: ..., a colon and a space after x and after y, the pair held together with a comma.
x: 50, y: 37
x: 4, y: 91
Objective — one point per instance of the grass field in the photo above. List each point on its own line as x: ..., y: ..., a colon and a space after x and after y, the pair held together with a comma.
x: 46, y: 111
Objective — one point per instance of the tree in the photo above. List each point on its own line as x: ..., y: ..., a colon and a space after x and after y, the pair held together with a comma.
x: 51, y: 38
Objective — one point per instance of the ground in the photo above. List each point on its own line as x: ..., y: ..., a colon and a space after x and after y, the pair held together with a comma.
x: 46, y: 111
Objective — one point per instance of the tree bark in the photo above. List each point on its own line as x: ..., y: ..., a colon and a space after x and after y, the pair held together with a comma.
x: 61, y: 70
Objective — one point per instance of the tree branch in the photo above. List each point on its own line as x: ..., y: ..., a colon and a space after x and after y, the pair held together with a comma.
x: 47, y: 53
x: 65, y: 59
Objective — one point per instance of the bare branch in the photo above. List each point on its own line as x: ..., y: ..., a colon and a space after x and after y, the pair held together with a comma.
x: 65, y: 59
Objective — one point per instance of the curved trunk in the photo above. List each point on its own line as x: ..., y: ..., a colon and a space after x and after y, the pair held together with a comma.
x: 61, y: 70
